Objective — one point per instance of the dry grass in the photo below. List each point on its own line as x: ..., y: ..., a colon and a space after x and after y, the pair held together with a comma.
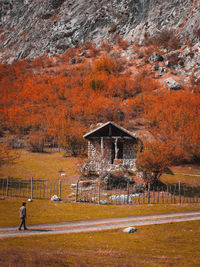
x: 44, y: 211
x: 175, y: 244
x: 187, y: 174
x: 41, y: 166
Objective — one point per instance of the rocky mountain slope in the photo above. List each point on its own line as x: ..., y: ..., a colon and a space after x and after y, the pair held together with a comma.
x: 33, y: 28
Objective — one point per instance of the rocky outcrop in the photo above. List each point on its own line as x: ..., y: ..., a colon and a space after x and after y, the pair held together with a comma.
x: 172, y: 84
x: 34, y: 28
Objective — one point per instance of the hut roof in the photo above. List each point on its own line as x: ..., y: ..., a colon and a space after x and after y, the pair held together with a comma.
x: 110, y: 129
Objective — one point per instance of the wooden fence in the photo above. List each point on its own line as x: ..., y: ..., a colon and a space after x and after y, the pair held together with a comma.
x: 99, y: 193
x: 31, y: 189
x: 166, y: 194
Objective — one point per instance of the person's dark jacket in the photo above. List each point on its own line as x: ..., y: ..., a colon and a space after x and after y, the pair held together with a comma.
x: 22, y: 212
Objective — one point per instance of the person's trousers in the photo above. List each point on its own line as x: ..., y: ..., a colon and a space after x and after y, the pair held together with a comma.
x: 23, y: 223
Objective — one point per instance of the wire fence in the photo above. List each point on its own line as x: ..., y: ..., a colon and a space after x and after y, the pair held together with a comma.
x: 31, y: 189
x: 99, y: 193
x: 138, y: 194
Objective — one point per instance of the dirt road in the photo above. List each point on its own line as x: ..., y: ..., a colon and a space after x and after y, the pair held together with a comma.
x: 98, y: 225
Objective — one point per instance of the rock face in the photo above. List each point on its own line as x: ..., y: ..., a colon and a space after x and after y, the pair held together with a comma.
x: 33, y: 28
x: 172, y: 84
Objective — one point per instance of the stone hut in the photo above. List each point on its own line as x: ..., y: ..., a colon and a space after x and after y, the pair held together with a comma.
x: 111, y: 147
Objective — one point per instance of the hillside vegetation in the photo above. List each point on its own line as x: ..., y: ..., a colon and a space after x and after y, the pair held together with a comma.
x: 54, y: 101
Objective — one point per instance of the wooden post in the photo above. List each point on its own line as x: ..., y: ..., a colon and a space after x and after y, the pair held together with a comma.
x: 179, y: 191
x: 7, y: 186
x: 43, y: 190
x: 162, y: 195
x: 20, y: 188
x: 167, y: 194
x: 40, y: 189
x: 144, y: 197
x: 27, y: 188
x: 99, y: 193
x: 46, y: 190
x: 157, y: 195
x: 23, y: 189
x: 31, y: 188
x: 149, y: 197
x: 11, y: 185
x: 3, y: 187
x: 15, y: 188
x: 171, y: 193
x: 116, y: 148
x: 50, y: 189
x: 59, y: 189
x: 36, y: 193
x: 128, y: 192
x: 193, y: 193
x: 77, y: 184
x: 102, y: 147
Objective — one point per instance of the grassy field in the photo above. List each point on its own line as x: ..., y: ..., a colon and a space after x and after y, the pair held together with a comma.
x: 187, y: 174
x: 175, y: 244
x: 48, y: 166
x: 41, y: 166
x: 159, y: 245
x: 44, y: 211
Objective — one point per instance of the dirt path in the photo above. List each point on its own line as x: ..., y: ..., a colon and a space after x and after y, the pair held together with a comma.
x: 98, y: 225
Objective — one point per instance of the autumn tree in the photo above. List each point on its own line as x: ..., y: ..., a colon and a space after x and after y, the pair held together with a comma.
x: 154, y: 159
x: 7, y: 155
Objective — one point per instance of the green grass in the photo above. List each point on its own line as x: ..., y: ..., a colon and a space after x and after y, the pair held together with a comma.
x: 44, y: 211
x: 175, y: 244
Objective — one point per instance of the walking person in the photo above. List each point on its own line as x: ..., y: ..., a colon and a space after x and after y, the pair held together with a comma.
x: 22, y: 214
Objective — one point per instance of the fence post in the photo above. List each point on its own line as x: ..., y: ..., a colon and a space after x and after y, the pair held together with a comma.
x: 77, y: 184
x: 43, y: 190
x: 99, y: 193
x: 27, y: 188
x: 31, y: 188
x: 128, y: 192
x: 7, y: 185
x: 179, y: 191
x: 59, y: 189
x: 149, y: 193
x: 2, y: 187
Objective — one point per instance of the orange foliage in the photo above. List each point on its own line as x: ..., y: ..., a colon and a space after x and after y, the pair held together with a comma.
x: 63, y: 105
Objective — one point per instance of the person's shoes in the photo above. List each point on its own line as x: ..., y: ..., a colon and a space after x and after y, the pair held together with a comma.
x: 19, y: 229
x: 25, y: 228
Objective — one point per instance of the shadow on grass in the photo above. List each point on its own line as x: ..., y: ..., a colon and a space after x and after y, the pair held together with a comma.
x: 168, y: 171
x: 39, y: 230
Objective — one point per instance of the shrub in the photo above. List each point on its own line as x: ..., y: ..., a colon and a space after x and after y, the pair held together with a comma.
x: 166, y: 38
x: 108, y: 65
x: 36, y: 141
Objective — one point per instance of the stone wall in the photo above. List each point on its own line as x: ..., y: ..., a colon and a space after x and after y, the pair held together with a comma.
x: 94, y: 154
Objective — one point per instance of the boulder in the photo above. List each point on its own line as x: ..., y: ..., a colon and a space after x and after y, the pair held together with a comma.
x: 172, y: 84
x: 156, y: 67
x: 155, y: 57
x: 130, y: 230
x: 104, y: 202
x: 55, y: 198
